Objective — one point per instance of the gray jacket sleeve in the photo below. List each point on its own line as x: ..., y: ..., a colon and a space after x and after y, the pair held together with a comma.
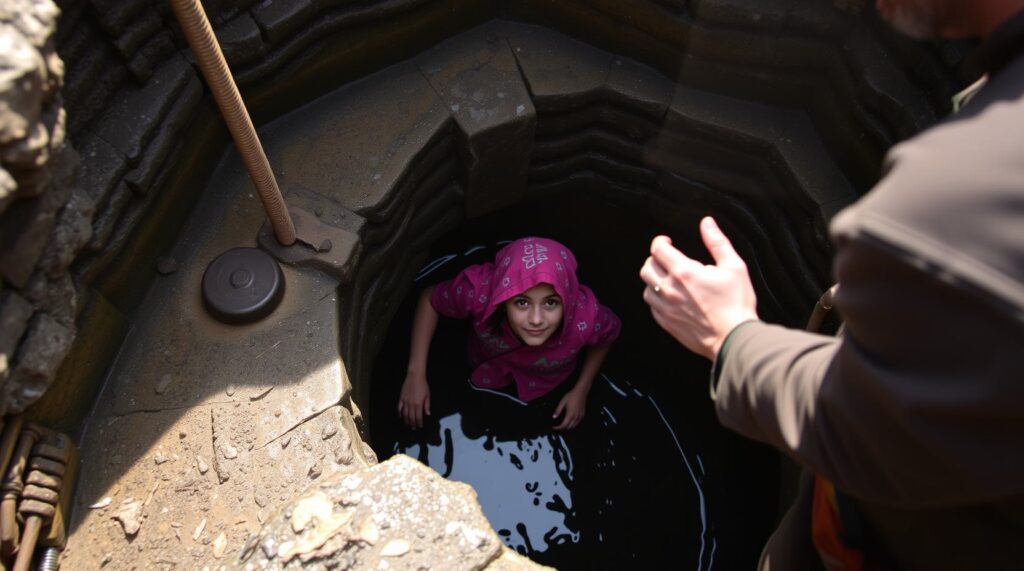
x: 917, y: 405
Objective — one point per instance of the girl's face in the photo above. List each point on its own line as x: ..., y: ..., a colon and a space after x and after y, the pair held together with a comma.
x: 535, y: 314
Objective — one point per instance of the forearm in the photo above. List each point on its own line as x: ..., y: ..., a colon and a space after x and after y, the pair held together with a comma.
x: 423, y: 326
x: 769, y: 382
x: 592, y: 361
x: 912, y: 407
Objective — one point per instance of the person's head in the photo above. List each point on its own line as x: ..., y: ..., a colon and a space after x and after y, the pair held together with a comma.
x: 535, y: 314
x: 946, y: 18
x: 533, y: 288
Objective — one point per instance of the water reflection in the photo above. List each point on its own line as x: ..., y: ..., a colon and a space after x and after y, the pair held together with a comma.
x: 619, y: 490
x: 523, y: 485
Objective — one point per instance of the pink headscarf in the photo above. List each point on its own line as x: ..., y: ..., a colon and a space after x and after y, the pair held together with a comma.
x: 500, y: 358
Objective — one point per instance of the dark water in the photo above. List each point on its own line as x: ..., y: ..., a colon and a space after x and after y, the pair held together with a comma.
x: 648, y: 480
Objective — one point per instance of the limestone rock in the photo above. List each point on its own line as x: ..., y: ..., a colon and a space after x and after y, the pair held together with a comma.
x: 128, y: 517
x: 359, y: 520
x: 40, y: 355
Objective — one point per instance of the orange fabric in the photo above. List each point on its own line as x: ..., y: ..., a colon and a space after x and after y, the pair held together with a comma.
x: 827, y: 531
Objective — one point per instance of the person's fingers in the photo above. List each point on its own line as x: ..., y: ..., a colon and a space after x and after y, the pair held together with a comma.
x: 652, y: 273
x: 671, y: 259
x: 417, y: 417
x: 426, y: 405
x: 718, y: 243
x: 660, y: 301
x: 559, y: 409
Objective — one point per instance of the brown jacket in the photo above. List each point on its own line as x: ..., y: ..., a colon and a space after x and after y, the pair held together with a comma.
x: 917, y: 411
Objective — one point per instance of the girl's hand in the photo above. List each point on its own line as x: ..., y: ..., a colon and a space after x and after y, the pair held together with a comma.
x: 574, y: 405
x: 414, y: 401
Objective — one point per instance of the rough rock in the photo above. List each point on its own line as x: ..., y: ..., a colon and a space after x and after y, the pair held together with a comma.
x: 41, y: 353
x: 129, y: 517
x: 14, y: 315
x: 360, y: 520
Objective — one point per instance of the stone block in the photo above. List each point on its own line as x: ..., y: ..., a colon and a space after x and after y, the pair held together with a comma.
x: 279, y: 20
x: 241, y: 40
x: 25, y: 231
x: 15, y: 312
x: 639, y: 88
x: 74, y: 223
x: 152, y: 54
x: 561, y: 73
x: 38, y: 359
x: 584, y: 140
x: 625, y: 173
x: 167, y: 138
x: 380, y: 526
x: 611, y: 117
x: 102, y: 168
x: 93, y: 77
x: 355, y: 144
x: 116, y: 15
x: 814, y: 173
x: 131, y: 119
x: 764, y: 15
x: 132, y: 37
x: 57, y: 297
x: 479, y: 82
x: 107, y: 217
x: 434, y: 167
x: 220, y: 11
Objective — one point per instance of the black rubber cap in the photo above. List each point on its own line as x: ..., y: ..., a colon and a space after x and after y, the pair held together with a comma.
x: 242, y: 285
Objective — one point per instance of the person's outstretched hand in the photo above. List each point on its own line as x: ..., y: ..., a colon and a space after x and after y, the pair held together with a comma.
x: 698, y: 304
x: 574, y: 405
x: 414, y: 401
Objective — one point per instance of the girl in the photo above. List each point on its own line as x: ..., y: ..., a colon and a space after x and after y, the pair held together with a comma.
x: 530, y: 318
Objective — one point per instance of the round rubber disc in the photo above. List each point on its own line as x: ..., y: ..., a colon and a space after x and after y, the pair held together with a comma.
x: 242, y: 285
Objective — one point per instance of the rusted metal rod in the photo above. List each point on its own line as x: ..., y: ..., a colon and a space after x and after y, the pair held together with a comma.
x: 12, y: 428
x: 42, y: 494
x: 12, y: 488
x: 196, y: 26
x: 821, y: 309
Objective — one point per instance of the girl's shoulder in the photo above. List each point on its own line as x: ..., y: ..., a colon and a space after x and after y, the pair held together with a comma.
x: 465, y: 295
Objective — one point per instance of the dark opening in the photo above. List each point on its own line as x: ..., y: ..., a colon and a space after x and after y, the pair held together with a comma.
x: 651, y: 480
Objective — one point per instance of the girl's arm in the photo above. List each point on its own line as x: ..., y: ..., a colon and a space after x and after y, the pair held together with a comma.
x: 574, y: 403
x: 414, y: 401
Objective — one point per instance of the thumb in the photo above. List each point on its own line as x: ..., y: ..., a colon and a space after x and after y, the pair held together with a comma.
x: 559, y: 409
x: 426, y: 405
x: 717, y: 243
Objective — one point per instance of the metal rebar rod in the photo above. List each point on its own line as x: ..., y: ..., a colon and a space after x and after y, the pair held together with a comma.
x: 27, y: 549
x: 821, y: 309
x: 196, y: 26
x: 12, y: 428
